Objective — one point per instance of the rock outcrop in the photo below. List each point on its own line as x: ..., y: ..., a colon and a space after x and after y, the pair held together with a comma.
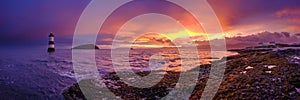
x: 86, y: 46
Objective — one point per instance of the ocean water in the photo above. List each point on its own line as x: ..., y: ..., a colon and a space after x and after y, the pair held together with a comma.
x: 32, y: 73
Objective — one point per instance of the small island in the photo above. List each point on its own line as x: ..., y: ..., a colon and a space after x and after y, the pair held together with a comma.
x: 87, y: 46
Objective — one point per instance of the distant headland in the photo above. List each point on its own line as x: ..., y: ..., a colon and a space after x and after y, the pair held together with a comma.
x: 272, y: 46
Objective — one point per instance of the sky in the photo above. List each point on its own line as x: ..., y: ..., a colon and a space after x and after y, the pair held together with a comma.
x: 25, y: 20
x: 243, y: 17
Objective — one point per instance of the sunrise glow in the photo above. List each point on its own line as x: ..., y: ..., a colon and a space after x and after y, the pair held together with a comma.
x: 184, y: 34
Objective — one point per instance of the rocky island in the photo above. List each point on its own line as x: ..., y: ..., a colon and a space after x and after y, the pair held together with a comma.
x: 87, y: 46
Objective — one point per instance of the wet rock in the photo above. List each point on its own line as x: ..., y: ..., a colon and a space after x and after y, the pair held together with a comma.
x: 73, y: 93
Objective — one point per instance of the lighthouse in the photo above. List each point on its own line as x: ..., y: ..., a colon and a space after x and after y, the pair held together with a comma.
x: 51, y: 43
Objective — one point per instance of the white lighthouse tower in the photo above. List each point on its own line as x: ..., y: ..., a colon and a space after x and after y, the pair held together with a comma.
x: 51, y: 43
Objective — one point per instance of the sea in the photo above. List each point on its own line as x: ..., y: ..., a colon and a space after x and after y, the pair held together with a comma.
x: 33, y: 73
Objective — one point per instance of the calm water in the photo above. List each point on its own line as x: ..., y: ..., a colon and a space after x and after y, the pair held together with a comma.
x: 35, y: 74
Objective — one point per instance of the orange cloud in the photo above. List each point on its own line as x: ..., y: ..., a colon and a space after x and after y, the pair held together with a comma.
x: 152, y: 40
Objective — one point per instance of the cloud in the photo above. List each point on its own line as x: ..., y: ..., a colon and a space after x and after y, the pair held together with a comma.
x: 288, y: 12
x: 33, y: 19
x: 238, y: 15
x: 255, y: 39
x: 290, y: 18
x: 153, y: 39
x: 263, y: 37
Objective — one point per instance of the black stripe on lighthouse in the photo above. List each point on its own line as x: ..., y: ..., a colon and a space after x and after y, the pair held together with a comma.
x: 51, y: 42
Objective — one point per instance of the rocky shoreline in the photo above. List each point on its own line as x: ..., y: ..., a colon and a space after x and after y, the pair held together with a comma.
x: 252, y: 74
x: 261, y: 75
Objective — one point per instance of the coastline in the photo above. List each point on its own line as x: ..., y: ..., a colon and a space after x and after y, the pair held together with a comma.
x: 252, y: 74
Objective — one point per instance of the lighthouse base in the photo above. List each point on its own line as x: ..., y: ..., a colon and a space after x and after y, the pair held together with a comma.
x: 51, y: 50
